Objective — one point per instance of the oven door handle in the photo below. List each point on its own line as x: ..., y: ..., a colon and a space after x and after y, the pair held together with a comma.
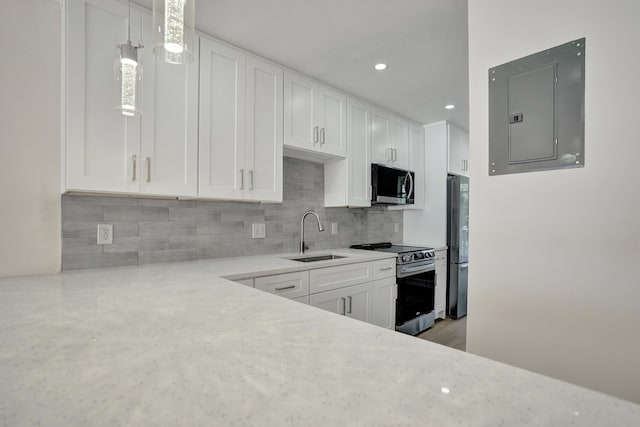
x: 422, y: 268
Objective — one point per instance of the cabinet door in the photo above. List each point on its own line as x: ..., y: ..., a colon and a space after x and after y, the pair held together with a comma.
x: 440, y: 295
x: 383, y: 309
x: 332, y: 118
x: 380, y: 138
x: 300, y: 127
x: 263, y: 145
x: 359, y: 153
x: 417, y: 164
x: 102, y: 145
x: 169, y: 151
x: 221, y: 128
x: 290, y: 285
x: 359, y: 302
x: 399, y: 131
x: 352, y: 301
x: 458, y: 151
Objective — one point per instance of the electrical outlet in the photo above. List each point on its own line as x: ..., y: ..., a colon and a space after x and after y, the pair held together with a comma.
x: 396, y: 227
x: 258, y: 231
x: 105, y: 234
x: 334, y: 228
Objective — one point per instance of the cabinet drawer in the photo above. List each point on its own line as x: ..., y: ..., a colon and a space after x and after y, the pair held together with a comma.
x: 384, y: 268
x: 291, y: 285
x: 324, y: 279
x: 303, y: 300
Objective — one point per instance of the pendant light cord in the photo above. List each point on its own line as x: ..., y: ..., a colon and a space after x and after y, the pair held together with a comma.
x: 129, y: 23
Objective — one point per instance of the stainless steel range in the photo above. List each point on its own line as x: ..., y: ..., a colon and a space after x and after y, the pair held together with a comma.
x: 415, y: 277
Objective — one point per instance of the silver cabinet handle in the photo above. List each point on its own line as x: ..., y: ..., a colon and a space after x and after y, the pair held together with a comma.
x: 343, y: 311
x: 285, y: 288
x: 350, y: 302
x: 322, y: 136
x: 251, y: 179
x: 242, y: 179
x: 133, y: 162
x: 386, y: 269
x: 148, y: 169
x: 389, y: 154
x: 395, y: 154
x: 315, y: 135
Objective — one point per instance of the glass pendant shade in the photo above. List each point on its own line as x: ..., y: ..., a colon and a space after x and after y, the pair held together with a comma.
x: 174, y: 30
x: 128, y: 80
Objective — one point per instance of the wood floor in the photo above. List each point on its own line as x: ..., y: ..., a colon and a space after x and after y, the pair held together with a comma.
x: 449, y: 332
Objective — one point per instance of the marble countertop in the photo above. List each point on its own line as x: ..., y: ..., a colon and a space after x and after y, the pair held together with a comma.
x: 175, y: 344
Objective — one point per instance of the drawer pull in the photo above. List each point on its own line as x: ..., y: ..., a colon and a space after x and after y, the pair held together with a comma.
x: 344, y: 303
x: 386, y: 269
x: 350, y: 303
x: 285, y: 288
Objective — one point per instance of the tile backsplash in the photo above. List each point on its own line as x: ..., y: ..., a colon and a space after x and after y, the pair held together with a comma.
x: 153, y: 230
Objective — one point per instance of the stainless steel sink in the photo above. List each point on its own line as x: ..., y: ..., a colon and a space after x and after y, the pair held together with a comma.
x: 317, y: 258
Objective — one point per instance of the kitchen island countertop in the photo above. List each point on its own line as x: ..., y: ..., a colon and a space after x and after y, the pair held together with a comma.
x: 176, y: 344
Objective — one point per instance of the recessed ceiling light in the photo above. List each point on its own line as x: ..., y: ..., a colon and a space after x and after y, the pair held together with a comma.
x: 450, y: 106
x: 380, y: 67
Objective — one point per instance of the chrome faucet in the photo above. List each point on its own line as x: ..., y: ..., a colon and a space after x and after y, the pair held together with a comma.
x: 320, y: 228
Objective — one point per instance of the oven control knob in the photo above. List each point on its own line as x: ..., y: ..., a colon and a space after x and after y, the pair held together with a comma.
x: 406, y: 258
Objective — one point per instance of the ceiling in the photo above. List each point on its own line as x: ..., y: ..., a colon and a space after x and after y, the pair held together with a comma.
x: 424, y: 43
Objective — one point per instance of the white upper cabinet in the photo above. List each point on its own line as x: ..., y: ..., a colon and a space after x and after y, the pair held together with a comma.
x: 458, y: 150
x: 240, y: 125
x: 263, y: 138
x: 314, y: 119
x: 221, y: 128
x: 417, y: 164
x: 399, y: 132
x: 155, y: 153
x: 359, y: 153
x: 169, y: 149
x: 102, y: 146
x: 348, y: 182
x: 390, y: 140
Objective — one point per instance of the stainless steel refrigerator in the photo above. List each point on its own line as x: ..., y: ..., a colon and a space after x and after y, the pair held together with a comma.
x: 458, y: 245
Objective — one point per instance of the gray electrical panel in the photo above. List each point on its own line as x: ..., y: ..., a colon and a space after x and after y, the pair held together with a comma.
x: 536, y: 111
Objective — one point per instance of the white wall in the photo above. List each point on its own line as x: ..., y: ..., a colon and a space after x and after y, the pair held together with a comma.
x: 429, y: 226
x: 554, y: 284
x: 30, y: 138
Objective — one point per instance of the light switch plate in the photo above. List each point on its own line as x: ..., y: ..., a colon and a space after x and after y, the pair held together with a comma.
x: 105, y: 234
x: 258, y: 231
x: 334, y: 228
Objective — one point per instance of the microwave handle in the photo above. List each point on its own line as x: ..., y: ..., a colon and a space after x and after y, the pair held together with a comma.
x: 410, y: 185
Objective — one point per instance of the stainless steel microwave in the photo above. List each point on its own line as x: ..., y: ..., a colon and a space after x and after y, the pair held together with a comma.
x: 391, y: 186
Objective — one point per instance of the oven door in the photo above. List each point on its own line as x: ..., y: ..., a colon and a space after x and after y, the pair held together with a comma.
x: 415, y: 296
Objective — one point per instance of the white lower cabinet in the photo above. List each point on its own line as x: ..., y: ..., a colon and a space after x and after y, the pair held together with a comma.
x: 440, y: 297
x: 384, y: 295
x: 352, y: 301
x: 349, y: 290
x: 290, y: 285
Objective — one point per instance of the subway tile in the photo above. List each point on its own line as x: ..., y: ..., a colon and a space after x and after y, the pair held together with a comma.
x: 166, y: 228
x: 135, y: 213
x: 195, y: 214
x: 170, y: 255
x: 167, y: 203
x: 98, y: 200
x: 87, y: 260
x: 81, y: 212
x: 137, y: 243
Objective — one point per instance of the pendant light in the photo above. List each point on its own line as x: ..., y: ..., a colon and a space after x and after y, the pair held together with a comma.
x: 173, y: 30
x: 128, y: 75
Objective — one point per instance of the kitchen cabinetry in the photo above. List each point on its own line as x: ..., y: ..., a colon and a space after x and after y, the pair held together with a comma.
x: 390, y: 140
x: 458, y: 143
x: 348, y: 182
x: 240, y: 125
x: 384, y: 295
x: 106, y: 151
x: 291, y: 285
x: 417, y: 164
x: 315, y: 119
x: 365, y: 291
x: 352, y: 301
x: 440, y: 295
